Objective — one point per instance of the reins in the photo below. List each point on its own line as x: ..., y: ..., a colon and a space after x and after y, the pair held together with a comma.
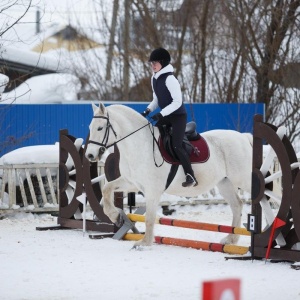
x: 108, y: 146
x: 104, y: 145
x: 155, y: 141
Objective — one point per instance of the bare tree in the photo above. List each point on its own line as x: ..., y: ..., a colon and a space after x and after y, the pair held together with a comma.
x: 233, y: 51
x: 8, y: 23
x: 269, y: 31
x: 111, y: 44
x: 126, y: 74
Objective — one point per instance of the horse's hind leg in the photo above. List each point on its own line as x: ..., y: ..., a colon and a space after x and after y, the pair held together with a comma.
x: 228, y: 191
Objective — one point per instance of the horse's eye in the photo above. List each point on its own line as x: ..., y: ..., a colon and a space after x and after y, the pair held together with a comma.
x: 100, y: 128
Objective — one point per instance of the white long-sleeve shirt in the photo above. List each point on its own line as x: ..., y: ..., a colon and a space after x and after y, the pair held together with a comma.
x: 174, y: 89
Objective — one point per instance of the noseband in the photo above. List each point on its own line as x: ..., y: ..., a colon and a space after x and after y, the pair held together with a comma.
x: 103, y: 145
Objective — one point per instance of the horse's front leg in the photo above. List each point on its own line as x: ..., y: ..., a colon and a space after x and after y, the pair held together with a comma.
x: 109, y: 207
x: 151, y: 209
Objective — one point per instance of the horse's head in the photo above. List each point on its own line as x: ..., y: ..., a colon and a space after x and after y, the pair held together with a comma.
x: 102, y: 134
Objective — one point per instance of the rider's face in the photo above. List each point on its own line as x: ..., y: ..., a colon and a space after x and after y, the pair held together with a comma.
x: 156, y: 66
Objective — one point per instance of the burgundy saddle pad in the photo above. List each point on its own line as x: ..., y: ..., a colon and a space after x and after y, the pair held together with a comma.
x: 195, y: 158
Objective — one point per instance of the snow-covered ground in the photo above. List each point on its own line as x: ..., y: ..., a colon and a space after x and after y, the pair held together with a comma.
x: 66, y: 264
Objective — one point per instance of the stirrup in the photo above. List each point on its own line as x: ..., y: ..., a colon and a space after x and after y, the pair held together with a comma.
x: 189, y: 181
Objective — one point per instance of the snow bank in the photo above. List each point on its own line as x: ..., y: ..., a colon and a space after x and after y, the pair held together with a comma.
x: 42, y: 154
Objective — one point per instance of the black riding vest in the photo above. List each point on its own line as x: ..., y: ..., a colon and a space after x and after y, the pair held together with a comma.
x: 163, y: 95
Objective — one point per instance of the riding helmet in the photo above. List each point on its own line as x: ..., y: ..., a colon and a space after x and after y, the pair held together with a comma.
x: 161, y: 55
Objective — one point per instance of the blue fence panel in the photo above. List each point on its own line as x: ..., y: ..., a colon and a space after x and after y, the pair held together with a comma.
x: 224, y: 116
x: 39, y: 124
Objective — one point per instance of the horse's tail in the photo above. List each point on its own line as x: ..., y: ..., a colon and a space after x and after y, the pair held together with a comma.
x: 250, y: 138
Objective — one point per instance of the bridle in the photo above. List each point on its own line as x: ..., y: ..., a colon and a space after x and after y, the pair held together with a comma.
x: 103, y: 145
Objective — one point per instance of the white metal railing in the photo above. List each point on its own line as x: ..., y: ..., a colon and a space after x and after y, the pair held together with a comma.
x: 14, y: 176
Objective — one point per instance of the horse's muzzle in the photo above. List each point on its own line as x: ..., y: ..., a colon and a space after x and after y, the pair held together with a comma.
x: 92, y: 157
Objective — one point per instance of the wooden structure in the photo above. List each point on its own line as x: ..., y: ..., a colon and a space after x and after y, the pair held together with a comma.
x: 31, y: 187
x: 192, y: 225
x: 130, y: 220
x: 279, y: 240
x: 200, y: 245
x: 77, y: 177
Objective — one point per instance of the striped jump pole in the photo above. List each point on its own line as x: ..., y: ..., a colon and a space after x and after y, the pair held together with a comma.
x: 215, y: 247
x: 193, y: 225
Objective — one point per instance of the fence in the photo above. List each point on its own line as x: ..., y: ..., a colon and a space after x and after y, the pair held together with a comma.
x: 39, y: 124
x: 32, y: 187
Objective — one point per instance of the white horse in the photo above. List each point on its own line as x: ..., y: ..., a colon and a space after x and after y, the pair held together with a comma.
x: 229, y: 166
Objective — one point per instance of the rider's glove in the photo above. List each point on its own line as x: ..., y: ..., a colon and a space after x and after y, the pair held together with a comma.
x: 157, y: 117
x: 146, y: 112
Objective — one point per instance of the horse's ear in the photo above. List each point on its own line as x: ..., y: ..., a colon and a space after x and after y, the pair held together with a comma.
x: 102, y: 108
x: 94, y: 106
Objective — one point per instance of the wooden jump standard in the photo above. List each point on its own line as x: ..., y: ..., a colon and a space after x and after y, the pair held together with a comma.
x: 192, y: 225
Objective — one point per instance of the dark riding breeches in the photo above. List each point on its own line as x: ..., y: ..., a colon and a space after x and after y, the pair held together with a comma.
x: 178, y: 123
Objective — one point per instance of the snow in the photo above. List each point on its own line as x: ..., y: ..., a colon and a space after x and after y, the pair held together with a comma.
x: 48, y: 88
x: 3, y: 82
x: 48, y: 154
x: 30, y: 58
x: 65, y: 264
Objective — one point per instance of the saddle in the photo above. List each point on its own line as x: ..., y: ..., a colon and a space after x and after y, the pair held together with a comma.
x: 190, y: 135
x: 192, y: 143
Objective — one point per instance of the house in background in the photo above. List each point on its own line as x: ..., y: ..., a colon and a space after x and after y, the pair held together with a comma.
x: 66, y: 37
x: 30, y: 52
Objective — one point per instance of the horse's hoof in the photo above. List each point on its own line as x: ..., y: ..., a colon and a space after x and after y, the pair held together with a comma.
x: 230, y: 240
x: 141, y: 247
x: 137, y: 247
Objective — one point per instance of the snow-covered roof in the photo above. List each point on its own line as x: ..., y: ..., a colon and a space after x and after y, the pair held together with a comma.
x: 30, y: 58
x: 48, y: 88
x: 3, y: 82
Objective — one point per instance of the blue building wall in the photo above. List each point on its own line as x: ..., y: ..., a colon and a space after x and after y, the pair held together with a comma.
x: 39, y: 124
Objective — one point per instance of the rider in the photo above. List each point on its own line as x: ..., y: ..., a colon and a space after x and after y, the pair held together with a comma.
x: 167, y: 96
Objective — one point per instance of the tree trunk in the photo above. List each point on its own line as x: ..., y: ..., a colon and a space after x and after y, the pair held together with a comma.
x: 110, y: 52
x: 126, y: 74
x: 203, y: 30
